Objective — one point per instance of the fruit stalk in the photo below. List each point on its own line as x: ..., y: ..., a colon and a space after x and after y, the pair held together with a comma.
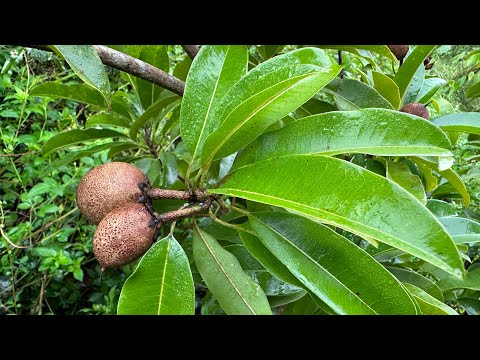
x: 184, y: 212
x: 194, y: 195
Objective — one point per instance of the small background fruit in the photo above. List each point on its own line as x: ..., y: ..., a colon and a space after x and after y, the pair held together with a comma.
x: 107, y: 187
x: 416, y: 109
x: 400, y: 51
x: 123, y: 235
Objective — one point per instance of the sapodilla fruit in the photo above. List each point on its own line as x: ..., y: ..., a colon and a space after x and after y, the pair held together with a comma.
x: 107, y: 187
x: 400, y: 51
x: 416, y: 109
x: 123, y: 235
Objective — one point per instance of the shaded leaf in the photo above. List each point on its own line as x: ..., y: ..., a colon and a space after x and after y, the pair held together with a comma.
x: 470, y: 281
x: 401, y: 174
x: 411, y: 277
x: 387, y: 88
x: 429, y: 88
x: 311, y: 252
x: 461, y: 230
x: 428, y: 304
x: 353, y: 94
x: 235, y: 291
x: 77, y: 136
x: 107, y: 119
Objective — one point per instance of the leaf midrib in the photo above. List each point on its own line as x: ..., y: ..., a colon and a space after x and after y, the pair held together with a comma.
x: 346, y: 226
x: 163, y: 277
x: 223, y: 270
x: 258, y: 109
x: 327, y: 301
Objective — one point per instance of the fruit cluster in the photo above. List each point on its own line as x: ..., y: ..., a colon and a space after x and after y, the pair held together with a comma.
x: 112, y: 196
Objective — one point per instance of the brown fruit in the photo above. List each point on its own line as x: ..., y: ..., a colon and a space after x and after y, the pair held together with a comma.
x: 416, y: 109
x: 123, y: 235
x: 107, y: 187
x: 400, y: 51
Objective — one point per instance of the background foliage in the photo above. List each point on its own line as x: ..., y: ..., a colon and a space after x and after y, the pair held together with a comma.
x: 55, y: 272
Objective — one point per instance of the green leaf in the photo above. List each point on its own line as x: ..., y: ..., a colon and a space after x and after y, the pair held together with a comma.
x: 235, y: 291
x: 407, y: 71
x: 353, y: 95
x: 387, y: 88
x: 428, y: 304
x: 77, y: 136
x: 255, y: 247
x: 107, y: 119
x: 268, y: 51
x: 461, y: 230
x: 429, y: 88
x: 213, y: 72
x: 85, y: 62
x: 78, y: 92
x: 162, y: 283
x: 401, y: 174
x: 78, y: 274
x: 441, y: 208
x: 411, y: 277
x: 154, y: 110
x: 157, y: 56
x: 468, y: 122
x: 371, y: 131
x: 182, y: 68
x: 415, y: 86
x: 350, y: 197
x: 354, y: 49
x: 471, y: 305
x: 170, y: 168
x: 265, y: 95
x: 280, y: 300
x: 311, y: 252
x: 470, y: 281
x: 450, y: 175
x: 312, y: 107
x: 473, y: 91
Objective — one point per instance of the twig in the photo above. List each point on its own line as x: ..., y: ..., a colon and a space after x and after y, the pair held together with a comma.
x: 176, y: 194
x: 10, y: 241
x: 149, y: 142
x: 191, y: 50
x: 133, y: 66
x: 42, y: 291
x: 183, y: 212
x: 226, y: 224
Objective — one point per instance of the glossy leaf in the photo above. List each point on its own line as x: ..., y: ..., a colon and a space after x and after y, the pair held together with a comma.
x: 353, y: 94
x: 401, y: 174
x: 406, y: 72
x: 387, y: 88
x: 213, y: 72
x: 103, y: 118
x: 154, y: 110
x: 468, y: 122
x: 414, y: 278
x: 415, y: 86
x: 268, y: 260
x: 470, y: 281
x: 162, y: 283
x: 371, y: 131
x: 354, y: 49
x: 182, y: 68
x: 461, y: 230
x: 78, y: 92
x: 85, y: 62
x: 77, y: 136
x: 281, y: 300
x: 265, y: 95
x: 350, y: 197
x: 473, y: 91
x: 471, y: 305
x: 313, y: 107
x: 235, y: 291
x: 157, y: 56
x: 429, y: 88
x: 441, y: 208
x: 428, y: 304
x: 450, y: 175
x: 170, y: 168
x: 311, y: 252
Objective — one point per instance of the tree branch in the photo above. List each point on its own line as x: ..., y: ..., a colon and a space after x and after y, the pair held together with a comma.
x: 133, y: 66
x: 191, y: 50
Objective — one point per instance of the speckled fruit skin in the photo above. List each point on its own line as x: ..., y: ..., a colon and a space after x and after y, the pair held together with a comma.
x: 108, y: 186
x: 400, y: 51
x: 123, y: 235
x: 416, y: 109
